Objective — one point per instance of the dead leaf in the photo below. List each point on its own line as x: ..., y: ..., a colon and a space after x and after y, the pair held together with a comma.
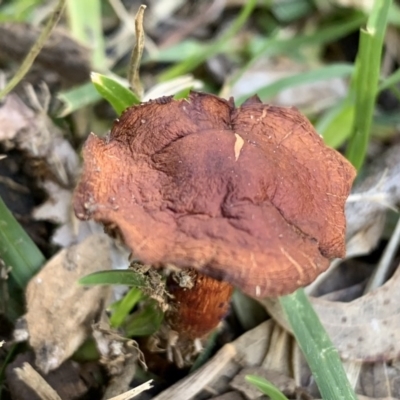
x: 31, y: 130
x: 260, y: 346
x: 15, y: 117
x: 365, y: 329
x: 375, y: 398
x: 380, y: 380
x: 229, y: 396
x: 367, y: 207
x: 59, y: 310
x: 58, y: 207
x: 370, y: 200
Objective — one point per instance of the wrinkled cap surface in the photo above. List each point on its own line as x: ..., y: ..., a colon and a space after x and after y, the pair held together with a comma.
x: 249, y: 195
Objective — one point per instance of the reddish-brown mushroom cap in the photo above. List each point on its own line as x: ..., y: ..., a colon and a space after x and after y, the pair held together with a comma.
x: 249, y: 195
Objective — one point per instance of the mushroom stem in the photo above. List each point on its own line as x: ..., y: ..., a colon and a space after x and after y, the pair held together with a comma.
x: 199, y: 303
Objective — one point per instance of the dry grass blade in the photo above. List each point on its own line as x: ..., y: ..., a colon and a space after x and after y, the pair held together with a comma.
x: 35, y: 50
x: 134, y: 63
x: 382, y: 270
x: 133, y: 392
x: 196, y: 382
x: 33, y: 379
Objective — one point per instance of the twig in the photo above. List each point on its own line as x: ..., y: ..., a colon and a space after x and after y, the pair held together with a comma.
x: 36, y: 382
x: 381, y: 272
x: 133, y: 392
x: 134, y: 63
x: 194, y: 383
x: 35, y: 50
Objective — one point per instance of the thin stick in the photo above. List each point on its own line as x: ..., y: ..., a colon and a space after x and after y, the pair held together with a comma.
x: 134, y: 392
x: 134, y: 63
x: 381, y: 272
x: 35, y: 50
x: 35, y: 381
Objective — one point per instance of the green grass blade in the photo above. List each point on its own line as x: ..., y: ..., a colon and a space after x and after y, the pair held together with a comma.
x: 266, y: 387
x: 366, y: 79
x: 183, y: 94
x: 322, y: 357
x: 336, y: 124
x: 319, y: 74
x: 176, y: 53
x: 116, y: 94
x: 270, y: 47
x: 85, y: 22
x: 115, y: 277
x: 123, y: 307
x: 17, y: 249
x: 77, y: 98
x: 18, y: 10
x: 289, y: 11
x: 394, y: 15
x: 325, y: 35
x: 144, y: 322
x: 212, y: 49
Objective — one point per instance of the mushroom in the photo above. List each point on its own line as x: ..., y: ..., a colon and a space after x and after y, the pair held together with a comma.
x: 247, y: 196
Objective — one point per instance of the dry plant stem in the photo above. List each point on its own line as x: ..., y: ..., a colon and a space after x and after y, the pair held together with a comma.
x: 32, y: 378
x: 380, y: 274
x: 134, y: 63
x: 130, y: 394
x: 126, y: 18
x: 193, y: 385
x: 311, y: 288
x: 35, y: 50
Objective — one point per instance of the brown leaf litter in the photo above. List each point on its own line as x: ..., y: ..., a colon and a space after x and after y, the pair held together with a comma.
x: 60, y: 312
x: 365, y: 329
x: 30, y: 129
x: 370, y: 200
